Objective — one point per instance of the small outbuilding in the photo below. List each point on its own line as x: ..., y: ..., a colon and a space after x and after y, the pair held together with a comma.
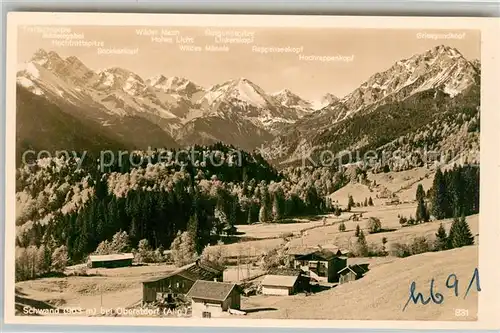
x: 280, y: 285
x: 351, y: 273
x: 110, y: 260
x: 211, y: 299
x: 177, y: 283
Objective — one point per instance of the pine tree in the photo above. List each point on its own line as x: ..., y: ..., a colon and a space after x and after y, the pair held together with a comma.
x: 442, y: 241
x: 266, y: 204
x: 193, y: 229
x: 362, y: 246
x: 358, y: 231
x: 421, y: 214
x: 365, y: 203
x: 350, y: 203
x: 384, y: 241
x: 370, y: 201
x: 439, y: 196
x: 420, y: 193
x: 460, y: 234
x: 233, y: 213
x: 342, y: 227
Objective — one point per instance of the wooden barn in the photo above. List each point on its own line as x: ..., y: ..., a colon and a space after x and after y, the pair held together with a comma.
x: 351, y: 273
x: 110, y: 260
x: 170, y: 286
x: 279, y: 285
x: 210, y: 299
x: 282, y: 281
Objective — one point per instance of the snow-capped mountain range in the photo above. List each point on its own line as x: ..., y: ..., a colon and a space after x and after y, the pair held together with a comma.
x: 442, y: 70
x: 237, y: 111
x: 170, y: 102
x: 441, y: 67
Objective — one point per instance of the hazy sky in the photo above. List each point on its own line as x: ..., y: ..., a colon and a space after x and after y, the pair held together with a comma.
x: 370, y: 51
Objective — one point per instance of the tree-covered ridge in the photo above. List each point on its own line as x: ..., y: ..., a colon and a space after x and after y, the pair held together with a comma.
x: 425, y: 120
x: 61, y: 204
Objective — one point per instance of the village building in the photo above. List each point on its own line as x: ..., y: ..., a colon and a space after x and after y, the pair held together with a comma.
x: 321, y: 265
x: 110, y: 260
x: 283, y: 282
x: 351, y: 273
x: 211, y: 299
x: 169, y: 287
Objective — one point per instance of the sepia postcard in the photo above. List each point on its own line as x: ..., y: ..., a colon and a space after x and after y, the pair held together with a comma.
x: 239, y: 170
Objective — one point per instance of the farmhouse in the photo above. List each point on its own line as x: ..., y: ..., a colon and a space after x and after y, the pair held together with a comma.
x: 321, y: 265
x: 169, y: 287
x: 110, y: 260
x: 210, y: 299
x: 297, y: 252
x: 351, y: 273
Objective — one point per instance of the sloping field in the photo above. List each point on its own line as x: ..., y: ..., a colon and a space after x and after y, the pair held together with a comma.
x: 403, y: 184
x: 111, y: 288
x: 331, y: 235
x: 383, y: 292
x: 358, y: 192
x: 398, y: 181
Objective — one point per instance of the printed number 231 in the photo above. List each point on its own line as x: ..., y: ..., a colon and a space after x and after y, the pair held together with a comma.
x: 461, y: 312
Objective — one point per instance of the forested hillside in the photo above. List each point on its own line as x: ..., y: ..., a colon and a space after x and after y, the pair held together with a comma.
x: 60, y: 203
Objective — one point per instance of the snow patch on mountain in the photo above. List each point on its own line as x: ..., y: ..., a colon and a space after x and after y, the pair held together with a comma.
x: 30, y: 69
x: 248, y: 93
x: 109, y: 79
x: 27, y: 83
x: 326, y: 100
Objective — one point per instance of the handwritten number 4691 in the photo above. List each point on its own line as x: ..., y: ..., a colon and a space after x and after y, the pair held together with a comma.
x: 438, y: 298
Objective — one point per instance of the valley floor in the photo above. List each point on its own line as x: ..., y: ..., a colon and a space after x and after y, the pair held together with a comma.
x: 379, y: 295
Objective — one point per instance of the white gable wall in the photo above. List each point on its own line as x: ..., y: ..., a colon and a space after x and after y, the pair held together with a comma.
x: 276, y: 290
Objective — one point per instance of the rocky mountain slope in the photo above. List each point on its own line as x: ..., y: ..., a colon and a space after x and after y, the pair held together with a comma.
x: 185, y: 111
x: 413, y: 93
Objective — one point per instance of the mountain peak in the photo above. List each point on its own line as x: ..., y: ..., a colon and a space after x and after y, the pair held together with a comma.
x: 284, y: 91
x: 154, y: 80
x: 441, y: 66
x: 173, y: 84
x: 40, y: 53
x: 74, y: 60
x: 243, y: 79
x: 50, y: 60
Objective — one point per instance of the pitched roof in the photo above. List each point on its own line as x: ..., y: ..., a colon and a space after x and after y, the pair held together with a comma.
x: 284, y: 271
x: 194, y: 271
x: 359, y: 269
x: 318, y: 255
x: 356, y: 269
x: 296, y: 251
x: 211, y: 290
x: 111, y: 257
x: 335, y: 249
x: 346, y: 270
x: 279, y: 280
